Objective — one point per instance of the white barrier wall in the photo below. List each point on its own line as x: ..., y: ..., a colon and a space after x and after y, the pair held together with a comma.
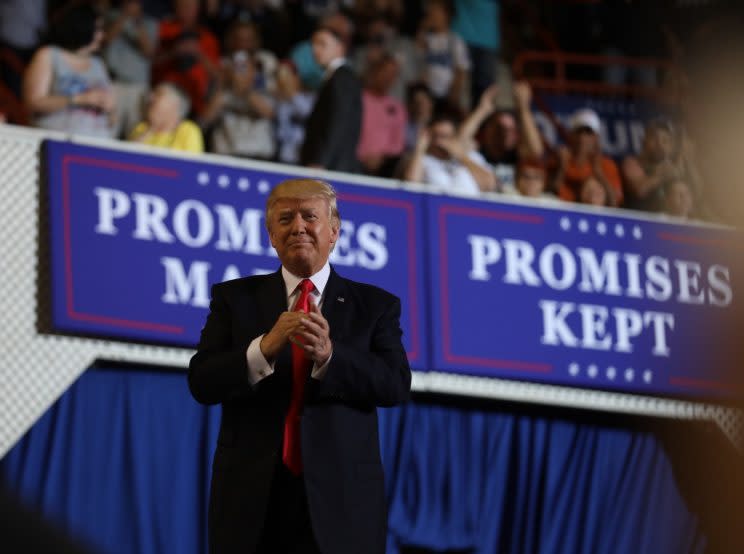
x: 38, y: 366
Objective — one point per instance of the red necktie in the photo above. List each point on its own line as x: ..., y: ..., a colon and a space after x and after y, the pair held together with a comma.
x: 291, y: 454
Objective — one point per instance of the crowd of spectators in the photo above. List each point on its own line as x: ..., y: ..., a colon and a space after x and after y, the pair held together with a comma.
x: 382, y: 87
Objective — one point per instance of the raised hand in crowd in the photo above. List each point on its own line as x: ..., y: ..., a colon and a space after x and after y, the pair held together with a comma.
x: 485, y: 107
x: 522, y: 92
x: 423, y: 140
x: 131, y: 14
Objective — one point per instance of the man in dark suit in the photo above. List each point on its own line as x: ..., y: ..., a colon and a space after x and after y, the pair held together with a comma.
x: 333, y: 128
x: 299, y: 360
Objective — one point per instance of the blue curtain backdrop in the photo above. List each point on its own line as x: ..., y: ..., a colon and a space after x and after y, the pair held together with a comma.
x: 122, y: 460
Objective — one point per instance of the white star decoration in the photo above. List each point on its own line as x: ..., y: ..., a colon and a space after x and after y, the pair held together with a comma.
x: 602, y: 228
x: 593, y: 371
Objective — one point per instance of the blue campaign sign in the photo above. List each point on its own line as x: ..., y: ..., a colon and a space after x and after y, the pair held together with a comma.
x: 137, y: 240
x: 587, y: 299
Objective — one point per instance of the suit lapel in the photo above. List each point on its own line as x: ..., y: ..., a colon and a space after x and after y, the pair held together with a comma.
x: 335, y: 303
x: 271, y: 299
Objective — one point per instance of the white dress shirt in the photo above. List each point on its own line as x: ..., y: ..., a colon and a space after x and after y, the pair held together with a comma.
x: 258, y: 366
x: 331, y: 68
x: 451, y: 175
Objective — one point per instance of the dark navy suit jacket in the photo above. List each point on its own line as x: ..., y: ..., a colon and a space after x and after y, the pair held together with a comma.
x: 333, y: 128
x: 340, y: 445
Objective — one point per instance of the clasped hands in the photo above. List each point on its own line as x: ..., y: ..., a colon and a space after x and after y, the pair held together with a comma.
x: 309, y: 331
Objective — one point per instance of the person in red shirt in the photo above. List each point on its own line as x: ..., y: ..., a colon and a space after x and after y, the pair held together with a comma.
x: 583, y: 158
x: 188, y: 54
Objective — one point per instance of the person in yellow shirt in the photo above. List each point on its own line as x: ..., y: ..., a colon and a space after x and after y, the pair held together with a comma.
x: 165, y: 123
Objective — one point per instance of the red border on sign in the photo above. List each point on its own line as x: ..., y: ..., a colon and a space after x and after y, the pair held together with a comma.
x: 449, y: 356
x: 412, y: 288
x: 72, y: 313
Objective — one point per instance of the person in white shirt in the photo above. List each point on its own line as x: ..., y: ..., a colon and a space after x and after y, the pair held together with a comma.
x: 444, y: 58
x: 446, y: 162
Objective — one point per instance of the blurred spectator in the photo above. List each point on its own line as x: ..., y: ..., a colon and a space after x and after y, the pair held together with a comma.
x: 649, y: 21
x: 12, y: 109
x: 583, y: 158
x: 307, y: 15
x: 420, y: 106
x: 366, y: 11
x: 130, y: 44
x: 270, y: 23
x: 310, y: 71
x: 244, y: 124
x: 478, y: 23
x: 188, y: 55
x: 382, y: 138
x: 332, y: 131
x: 293, y: 106
x: 645, y: 174
x: 131, y: 41
x: 532, y: 179
x: 243, y: 38
x: 165, y: 122
x: 21, y: 24
x: 441, y: 159
x: 65, y: 86
x: 504, y: 137
x: 446, y: 63
x: 594, y: 191
x: 677, y: 200
x: 26, y: 530
x: 381, y: 37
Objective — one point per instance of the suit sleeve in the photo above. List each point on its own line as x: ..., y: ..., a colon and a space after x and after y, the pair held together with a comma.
x: 219, y: 369
x: 379, y: 376
x: 343, y: 106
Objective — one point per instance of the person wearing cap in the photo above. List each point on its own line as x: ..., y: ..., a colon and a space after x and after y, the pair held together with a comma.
x: 583, y: 158
x: 333, y: 128
x: 299, y: 360
x: 646, y: 173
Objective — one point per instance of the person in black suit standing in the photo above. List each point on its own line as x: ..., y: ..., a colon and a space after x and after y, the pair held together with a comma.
x: 333, y: 128
x: 299, y: 360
